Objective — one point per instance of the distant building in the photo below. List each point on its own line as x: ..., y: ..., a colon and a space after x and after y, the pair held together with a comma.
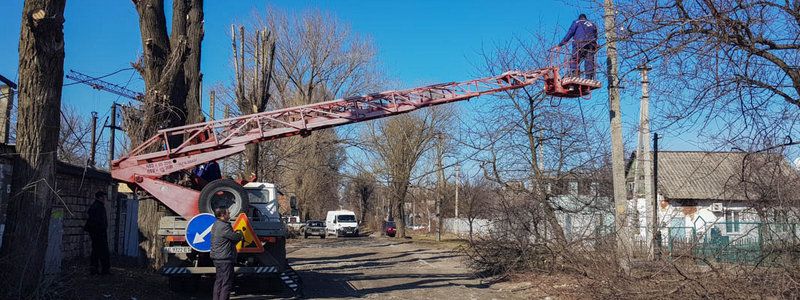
x: 582, y: 202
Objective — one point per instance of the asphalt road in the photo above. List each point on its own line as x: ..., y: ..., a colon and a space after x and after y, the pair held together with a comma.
x: 380, y: 268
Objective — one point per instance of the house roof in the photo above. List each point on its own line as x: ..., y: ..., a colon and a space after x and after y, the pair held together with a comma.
x: 723, y: 175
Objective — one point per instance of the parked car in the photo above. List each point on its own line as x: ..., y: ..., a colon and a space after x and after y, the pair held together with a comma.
x: 341, y: 223
x: 293, y: 222
x: 314, y: 227
x: 389, y: 228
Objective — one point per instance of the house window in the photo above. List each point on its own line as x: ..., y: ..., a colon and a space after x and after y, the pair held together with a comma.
x: 781, y: 220
x: 732, y: 221
x: 593, y: 188
x: 573, y: 187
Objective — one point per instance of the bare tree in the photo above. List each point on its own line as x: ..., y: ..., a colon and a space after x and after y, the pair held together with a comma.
x: 475, y: 202
x: 399, y: 143
x: 41, y: 71
x: 736, y: 62
x: 74, y: 139
x: 317, y: 58
x: 164, y: 68
x: 360, y: 192
x: 525, y: 142
x: 253, y: 77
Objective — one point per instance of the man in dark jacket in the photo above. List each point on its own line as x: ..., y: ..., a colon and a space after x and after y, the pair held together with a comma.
x: 96, y: 225
x: 584, y: 46
x: 223, y: 252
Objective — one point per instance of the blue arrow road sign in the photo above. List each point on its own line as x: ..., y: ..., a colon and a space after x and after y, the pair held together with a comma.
x: 198, y: 232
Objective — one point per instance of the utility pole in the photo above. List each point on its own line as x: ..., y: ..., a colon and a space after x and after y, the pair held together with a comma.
x: 656, y: 235
x: 642, y: 179
x: 439, y: 185
x: 112, y: 134
x: 112, y: 188
x: 622, y: 229
x: 93, y: 150
x: 458, y: 182
x: 211, y: 96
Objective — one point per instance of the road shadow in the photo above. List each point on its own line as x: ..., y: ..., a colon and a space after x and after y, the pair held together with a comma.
x: 384, y: 262
x: 294, y: 261
x: 338, y: 285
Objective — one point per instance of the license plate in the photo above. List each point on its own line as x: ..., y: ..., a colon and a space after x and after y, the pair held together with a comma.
x: 177, y: 249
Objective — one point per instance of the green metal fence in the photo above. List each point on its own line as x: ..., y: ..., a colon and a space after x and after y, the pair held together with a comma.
x: 739, y: 242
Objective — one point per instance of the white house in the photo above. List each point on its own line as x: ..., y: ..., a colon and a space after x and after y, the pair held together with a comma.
x: 735, y: 195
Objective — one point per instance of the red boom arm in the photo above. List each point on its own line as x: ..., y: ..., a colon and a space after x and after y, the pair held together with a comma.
x: 214, y: 140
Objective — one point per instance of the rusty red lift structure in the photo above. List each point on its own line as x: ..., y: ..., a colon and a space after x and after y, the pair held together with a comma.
x: 204, y: 142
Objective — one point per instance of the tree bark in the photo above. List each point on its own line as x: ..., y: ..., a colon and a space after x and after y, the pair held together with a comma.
x: 400, y: 191
x: 194, y: 79
x: 41, y: 71
x: 617, y: 153
x: 162, y: 68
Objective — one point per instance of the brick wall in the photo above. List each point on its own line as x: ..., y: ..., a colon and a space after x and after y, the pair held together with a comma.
x: 76, y: 188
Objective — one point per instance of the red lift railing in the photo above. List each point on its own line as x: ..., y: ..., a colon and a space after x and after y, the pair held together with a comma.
x: 204, y: 142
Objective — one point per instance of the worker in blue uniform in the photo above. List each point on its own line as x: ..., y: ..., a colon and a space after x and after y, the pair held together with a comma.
x: 583, y: 34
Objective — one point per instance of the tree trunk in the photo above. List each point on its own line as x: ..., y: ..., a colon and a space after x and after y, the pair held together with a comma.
x: 471, y: 220
x: 399, y: 190
x: 617, y: 155
x: 400, y: 219
x: 162, y: 68
x: 251, y: 158
x: 41, y: 71
x: 194, y: 79
x: 150, y: 243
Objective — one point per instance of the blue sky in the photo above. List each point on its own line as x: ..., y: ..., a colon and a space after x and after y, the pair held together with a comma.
x: 418, y: 42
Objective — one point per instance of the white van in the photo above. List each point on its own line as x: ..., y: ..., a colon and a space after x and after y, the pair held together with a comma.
x: 341, y: 223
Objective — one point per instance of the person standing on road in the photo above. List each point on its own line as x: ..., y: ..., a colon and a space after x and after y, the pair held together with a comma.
x: 584, y: 46
x: 223, y: 252
x: 96, y: 225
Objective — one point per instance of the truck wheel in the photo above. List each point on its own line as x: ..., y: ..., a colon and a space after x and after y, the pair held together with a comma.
x: 322, y: 236
x: 223, y: 193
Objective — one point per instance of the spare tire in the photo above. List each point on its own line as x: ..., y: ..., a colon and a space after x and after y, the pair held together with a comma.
x: 223, y: 193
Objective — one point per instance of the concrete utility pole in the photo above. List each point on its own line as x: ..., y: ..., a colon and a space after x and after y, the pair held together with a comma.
x: 93, y: 150
x: 622, y: 229
x: 458, y: 182
x: 642, y: 179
